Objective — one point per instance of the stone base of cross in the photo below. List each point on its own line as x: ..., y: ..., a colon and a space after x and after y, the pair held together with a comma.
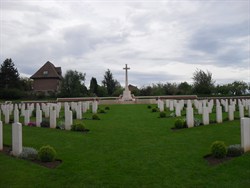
x: 126, y: 95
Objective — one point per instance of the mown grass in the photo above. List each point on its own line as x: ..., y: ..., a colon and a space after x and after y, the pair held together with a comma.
x: 129, y: 147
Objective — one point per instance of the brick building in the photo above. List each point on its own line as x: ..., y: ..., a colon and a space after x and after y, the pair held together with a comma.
x: 47, y: 79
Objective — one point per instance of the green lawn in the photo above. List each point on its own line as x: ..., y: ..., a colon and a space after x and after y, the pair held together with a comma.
x: 129, y: 147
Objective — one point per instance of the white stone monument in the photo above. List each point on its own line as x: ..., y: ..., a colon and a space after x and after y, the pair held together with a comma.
x: 17, y: 140
x: 68, y: 119
x: 52, y: 119
x: 205, y: 116
x: 245, y: 134
x: 190, y: 117
x: 219, y: 114
x: 126, y: 93
x: 231, y: 112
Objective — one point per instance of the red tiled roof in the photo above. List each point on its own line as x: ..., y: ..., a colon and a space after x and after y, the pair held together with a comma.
x: 48, y: 70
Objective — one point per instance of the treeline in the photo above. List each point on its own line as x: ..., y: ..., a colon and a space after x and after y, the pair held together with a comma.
x: 73, y: 85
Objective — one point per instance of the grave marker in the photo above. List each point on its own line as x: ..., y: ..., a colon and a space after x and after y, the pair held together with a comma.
x: 17, y: 142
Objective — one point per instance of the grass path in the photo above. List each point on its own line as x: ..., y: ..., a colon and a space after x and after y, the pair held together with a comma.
x: 129, y: 147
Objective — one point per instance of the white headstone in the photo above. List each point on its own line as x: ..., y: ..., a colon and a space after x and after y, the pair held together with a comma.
x: 190, y: 117
x: 245, y: 134
x: 26, y: 117
x: 161, y: 105
x: 219, y: 114
x: 178, y: 110
x: 241, y: 110
x: 38, y: 117
x: 7, y: 114
x: 79, y: 111
x: 231, y: 113
x: 171, y: 105
x: 17, y: 141
x: 16, y: 114
x: 52, y: 119
x: 68, y: 119
x: 94, y: 106
x: 167, y: 103
x: 205, y: 116
x: 1, y: 135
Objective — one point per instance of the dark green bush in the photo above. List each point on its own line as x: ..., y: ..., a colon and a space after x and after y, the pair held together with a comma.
x: 78, y: 127
x: 234, y: 150
x: 154, y: 110
x: 46, y: 154
x: 107, y: 108
x: 11, y: 94
x: 95, y: 117
x: 45, y: 123
x: 179, y: 124
x: 163, y: 115
x: 149, y: 107
x: 219, y: 149
x: 101, y: 111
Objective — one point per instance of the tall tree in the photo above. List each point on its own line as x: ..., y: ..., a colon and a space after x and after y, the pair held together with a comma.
x: 109, y: 82
x: 238, y: 88
x: 184, y: 88
x: 73, y: 84
x: 9, y: 76
x: 93, y: 88
x: 203, y: 83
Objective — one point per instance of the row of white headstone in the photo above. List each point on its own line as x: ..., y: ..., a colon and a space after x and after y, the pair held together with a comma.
x: 17, y: 136
x: 205, y: 107
x: 51, y: 111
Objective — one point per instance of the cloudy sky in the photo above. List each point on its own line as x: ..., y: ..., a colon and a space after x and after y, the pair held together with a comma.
x: 161, y: 41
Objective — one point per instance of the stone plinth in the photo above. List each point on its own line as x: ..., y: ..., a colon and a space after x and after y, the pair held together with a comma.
x: 127, y: 95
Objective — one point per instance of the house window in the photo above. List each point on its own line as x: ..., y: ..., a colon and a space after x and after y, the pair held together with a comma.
x: 45, y: 73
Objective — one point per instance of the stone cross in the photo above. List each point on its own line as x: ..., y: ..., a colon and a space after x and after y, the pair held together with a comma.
x: 126, y: 76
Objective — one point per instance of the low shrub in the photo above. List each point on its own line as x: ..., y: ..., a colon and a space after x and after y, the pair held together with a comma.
x: 154, y: 110
x: 107, y: 108
x: 179, y: 124
x: 218, y: 149
x: 197, y: 122
x: 163, y: 115
x: 101, y: 111
x: 60, y: 125
x: 29, y: 153
x: 234, y: 150
x: 78, y: 127
x: 46, y: 154
x: 172, y: 114
x: 45, y: 123
x: 149, y: 107
x: 95, y: 117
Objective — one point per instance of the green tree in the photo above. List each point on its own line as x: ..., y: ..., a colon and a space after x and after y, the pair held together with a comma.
x: 238, y: 88
x: 184, y: 89
x: 93, y: 88
x: 203, y: 83
x: 110, y: 83
x: 73, y: 84
x: 9, y: 76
